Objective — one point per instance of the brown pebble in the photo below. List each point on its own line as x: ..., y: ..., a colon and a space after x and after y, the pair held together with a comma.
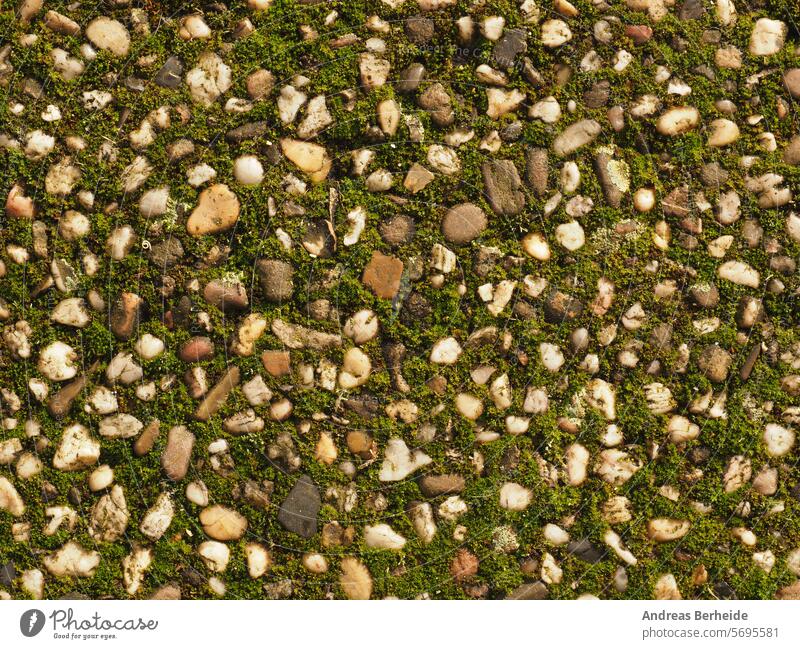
x: 750, y: 362
x: 217, y: 395
x: 440, y: 485
x: 464, y: 565
x: 277, y: 363
x: 145, y: 442
x: 194, y: 350
x: 382, y: 275
x: 125, y: 315
x: 639, y: 34
x: 178, y: 453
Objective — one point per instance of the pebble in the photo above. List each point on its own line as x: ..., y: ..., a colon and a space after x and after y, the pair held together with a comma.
x: 298, y: 512
x: 740, y: 273
x: 209, y: 80
x: 767, y: 37
x: 215, y: 555
x: 778, y: 440
x: 723, y: 132
x: 399, y: 461
x: 469, y: 252
x: 667, y: 529
x: 355, y: 579
x: 570, y: 235
x: 248, y: 170
x: 576, y: 136
x: 678, y: 120
x: 222, y: 523
x: 515, y: 497
x: 217, y: 210
x: 177, y: 453
x: 382, y: 275
x: 72, y: 560
x: 310, y: 158
x: 110, y: 35
x: 383, y: 537
x: 259, y: 560
x: 555, y: 33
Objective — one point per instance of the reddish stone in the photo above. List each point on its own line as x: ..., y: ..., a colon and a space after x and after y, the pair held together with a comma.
x: 277, y: 363
x: 382, y: 275
x: 194, y: 350
x: 125, y: 315
x: 639, y: 34
x: 464, y: 565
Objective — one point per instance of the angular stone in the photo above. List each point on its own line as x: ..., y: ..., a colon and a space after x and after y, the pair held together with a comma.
x: 170, y: 74
x: 298, y: 512
x: 217, y: 210
x: 512, y: 43
x: 437, y: 102
x: 165, y: 254
x: 249, y: 131
x: 309, y: 157
x: 276, y: 279
x: 382, y: 275
x: 612, y: 187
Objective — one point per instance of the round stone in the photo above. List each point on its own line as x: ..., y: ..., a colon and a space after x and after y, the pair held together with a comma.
x: 248, y: 170
x: 463, y: 223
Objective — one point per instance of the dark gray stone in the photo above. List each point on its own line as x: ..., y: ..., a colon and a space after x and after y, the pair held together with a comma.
x: 585, y: 551
x: 597, y: 96
x: 713, y: 174
x: 164, y: 254
x: 512, y: 43
x: 8, y: 573
x: 705, y: 295
x: 248, y: 131
x: 691, y: 10
x: 437, y: 102
x: 169, y: 76
x: 419, y: 30
x: 561, y: 307
x: 298, y: 513
x: 276, y: 279
x: 411, y: 77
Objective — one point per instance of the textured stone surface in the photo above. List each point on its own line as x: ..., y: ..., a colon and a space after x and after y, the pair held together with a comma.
x: 399, y: 298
